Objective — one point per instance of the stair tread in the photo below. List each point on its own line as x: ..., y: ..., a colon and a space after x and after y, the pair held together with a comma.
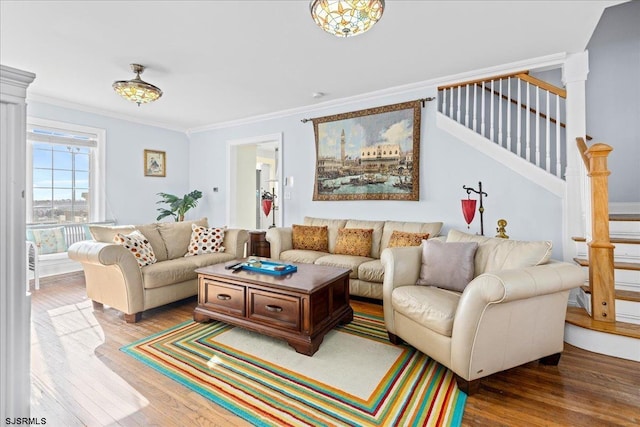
x: 620, y: 294
x: 612, y: 240
x: 624, y: 217
x: 578, y: 316
x: 617, y: 265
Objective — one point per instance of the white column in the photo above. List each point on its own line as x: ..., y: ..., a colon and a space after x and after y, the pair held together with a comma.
x: 15, y: 303
x: 577, y: 204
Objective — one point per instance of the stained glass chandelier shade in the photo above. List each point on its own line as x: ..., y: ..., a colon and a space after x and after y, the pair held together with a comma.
x: 346, y: 18
x: 137, y: 90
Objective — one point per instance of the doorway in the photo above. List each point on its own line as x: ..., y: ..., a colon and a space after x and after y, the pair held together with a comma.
x: 255, y: 170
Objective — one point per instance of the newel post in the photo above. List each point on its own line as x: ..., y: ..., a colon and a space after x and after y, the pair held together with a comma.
x: 601, y: 275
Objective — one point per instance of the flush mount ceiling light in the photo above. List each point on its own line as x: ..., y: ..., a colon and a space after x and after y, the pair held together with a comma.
x: 345, y: 18
x: 137, y: 90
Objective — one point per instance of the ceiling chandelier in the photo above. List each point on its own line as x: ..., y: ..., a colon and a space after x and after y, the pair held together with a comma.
x: 137, y: 90
x: 345, y: 18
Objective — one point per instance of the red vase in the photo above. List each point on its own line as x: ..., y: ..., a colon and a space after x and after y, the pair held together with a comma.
x: 266, y: 206
x: 468, y: 210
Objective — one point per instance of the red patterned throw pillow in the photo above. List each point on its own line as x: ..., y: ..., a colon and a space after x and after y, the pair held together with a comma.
x: 354, y: 241
x: 205, y: 240
x: 138, y: 245
x: 310, y: 237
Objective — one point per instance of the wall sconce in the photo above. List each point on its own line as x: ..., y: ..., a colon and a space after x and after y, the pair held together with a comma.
x: 469, y: 206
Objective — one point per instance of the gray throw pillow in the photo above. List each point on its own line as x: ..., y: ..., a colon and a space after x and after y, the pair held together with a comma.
x: 447, y: 265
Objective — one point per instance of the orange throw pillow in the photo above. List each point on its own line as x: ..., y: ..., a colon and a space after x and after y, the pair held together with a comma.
x: 404, y: 238
x: 354, y: 241
x: 311, y: 237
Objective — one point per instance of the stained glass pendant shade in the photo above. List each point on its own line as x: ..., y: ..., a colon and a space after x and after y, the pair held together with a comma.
x: 137, y: 90
x: 346, y: 18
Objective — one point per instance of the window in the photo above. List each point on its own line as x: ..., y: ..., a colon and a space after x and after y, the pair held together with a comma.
x: 65, y: 179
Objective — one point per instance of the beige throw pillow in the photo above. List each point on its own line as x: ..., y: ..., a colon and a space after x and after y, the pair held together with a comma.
x: 447, y: 265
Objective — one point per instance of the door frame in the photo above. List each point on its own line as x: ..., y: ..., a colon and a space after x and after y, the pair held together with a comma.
x: 232, y: 146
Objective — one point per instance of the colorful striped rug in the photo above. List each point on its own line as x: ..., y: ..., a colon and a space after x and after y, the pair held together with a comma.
x: 356, y: 378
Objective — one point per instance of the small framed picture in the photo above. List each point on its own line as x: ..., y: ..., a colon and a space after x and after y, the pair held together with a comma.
x: 155, y: 163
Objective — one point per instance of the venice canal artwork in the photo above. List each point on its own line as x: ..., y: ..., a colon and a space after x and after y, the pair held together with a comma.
x: 367, y: 157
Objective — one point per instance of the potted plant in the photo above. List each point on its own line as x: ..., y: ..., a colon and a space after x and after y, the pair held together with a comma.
x: 178, y: 206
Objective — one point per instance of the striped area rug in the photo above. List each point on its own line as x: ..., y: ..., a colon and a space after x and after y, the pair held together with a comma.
x: 356, y: 378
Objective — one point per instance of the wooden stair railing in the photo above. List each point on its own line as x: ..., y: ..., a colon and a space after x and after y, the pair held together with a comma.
x: 515, y: 111
x: 601, y: 266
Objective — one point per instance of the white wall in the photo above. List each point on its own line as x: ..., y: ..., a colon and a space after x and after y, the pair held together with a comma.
x: 613, y: 96
x: 131, y: 197
x: 446, y: 164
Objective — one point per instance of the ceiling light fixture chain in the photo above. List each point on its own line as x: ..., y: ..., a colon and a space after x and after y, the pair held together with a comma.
x: 346, y: 18
x: 137, y: 90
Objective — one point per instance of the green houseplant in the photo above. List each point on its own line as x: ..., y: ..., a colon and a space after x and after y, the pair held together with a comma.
x: 178, y: 206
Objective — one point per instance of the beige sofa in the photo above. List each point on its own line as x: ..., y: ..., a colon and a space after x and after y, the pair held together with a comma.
x: 114, y: 278
x: 366, y: 272
x: 511, y: 313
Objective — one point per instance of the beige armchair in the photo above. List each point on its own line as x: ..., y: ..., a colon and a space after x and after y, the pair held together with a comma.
x: 506, y: 316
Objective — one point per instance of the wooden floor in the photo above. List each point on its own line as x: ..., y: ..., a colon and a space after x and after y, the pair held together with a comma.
x: 80, y: 377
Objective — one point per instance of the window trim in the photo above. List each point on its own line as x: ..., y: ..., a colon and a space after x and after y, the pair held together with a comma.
x: 98, y: 169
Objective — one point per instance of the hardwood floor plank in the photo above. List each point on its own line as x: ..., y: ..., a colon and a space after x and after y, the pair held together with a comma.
x: 80, y: 376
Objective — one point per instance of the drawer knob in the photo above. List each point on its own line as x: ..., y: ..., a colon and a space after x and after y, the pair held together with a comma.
x: 273, y: 308
x: 223, y: 297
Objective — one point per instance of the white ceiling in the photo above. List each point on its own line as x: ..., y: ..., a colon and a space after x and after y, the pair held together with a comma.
x: 220, y: 61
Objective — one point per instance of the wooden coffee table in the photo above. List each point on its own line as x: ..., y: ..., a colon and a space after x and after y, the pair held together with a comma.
x: 300, y: 307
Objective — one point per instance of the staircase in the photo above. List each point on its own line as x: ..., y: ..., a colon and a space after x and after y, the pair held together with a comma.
x: 620, y: 338
x: 516, y: 119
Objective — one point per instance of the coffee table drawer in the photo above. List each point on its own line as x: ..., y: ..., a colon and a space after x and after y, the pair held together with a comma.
x: 274, y: 309
x: 222, y: 297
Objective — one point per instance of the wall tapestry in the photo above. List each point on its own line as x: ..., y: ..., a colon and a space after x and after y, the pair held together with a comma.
x: 371, y: 154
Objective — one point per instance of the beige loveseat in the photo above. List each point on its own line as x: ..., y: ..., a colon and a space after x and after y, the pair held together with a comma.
x: 113, y: 276
x: 511, y: 312
x: 366, y: 271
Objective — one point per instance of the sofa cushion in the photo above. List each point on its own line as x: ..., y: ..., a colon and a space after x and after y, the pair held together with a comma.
x: 332, y: 225
x: 106, y: 233
x: 151, y: 232
x: 168, y: 272
x: 376, y: 237
x: 138, y: 245
x: 345, y: 261
x: 405, y: 238
x: 205, y: 240
x: 432, y: 228
x: 354, y: 241
x: 495, y: 254
x: 310, y: 237
x: 428, y: 306
x: 176, y: 236
x: 447, y: 265
x: 371, y: 271
x: 301, y: 256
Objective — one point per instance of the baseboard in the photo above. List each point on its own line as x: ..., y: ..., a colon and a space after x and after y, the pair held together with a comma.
x: 602, y: 343
x: 624, y: 208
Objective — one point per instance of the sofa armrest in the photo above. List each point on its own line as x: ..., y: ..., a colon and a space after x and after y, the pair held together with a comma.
x: 280, y: 239
x: 511, y: 317
x: 401, y: 268
x: 235, y: 240
x: 112, y: 275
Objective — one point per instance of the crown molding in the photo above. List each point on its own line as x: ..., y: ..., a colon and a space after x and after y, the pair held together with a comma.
x: 548, y: 62
x: 35, y: 97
